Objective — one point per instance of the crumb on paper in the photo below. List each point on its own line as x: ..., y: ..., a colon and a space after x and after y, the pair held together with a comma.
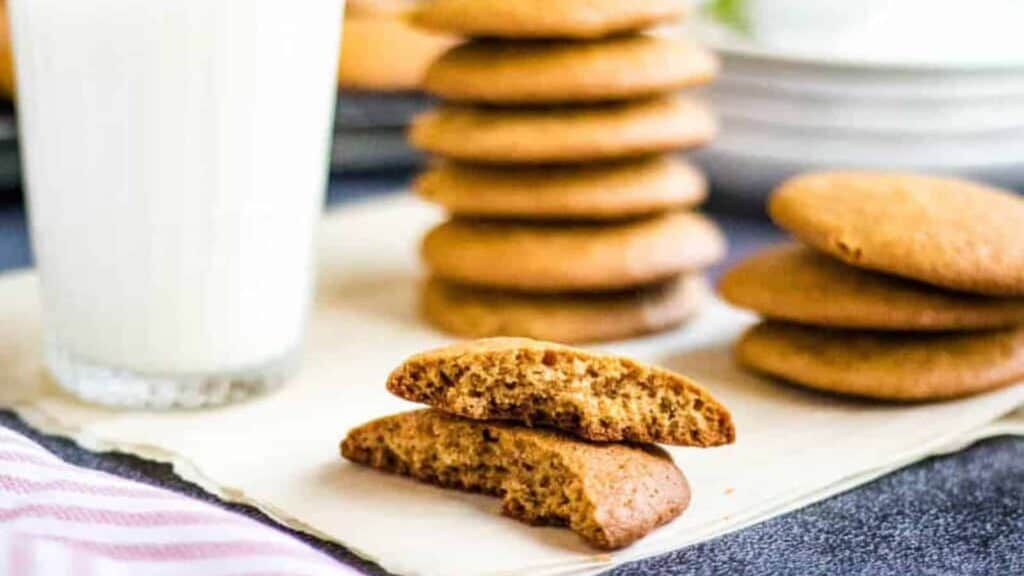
x: 729, y: 491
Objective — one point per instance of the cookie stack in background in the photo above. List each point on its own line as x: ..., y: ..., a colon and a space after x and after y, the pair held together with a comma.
x: 590, y: 470
x: 380, y: 74
x: 570, y: 210
x: 6, y: 55
x: 366, y: 66
x: 909, y: 287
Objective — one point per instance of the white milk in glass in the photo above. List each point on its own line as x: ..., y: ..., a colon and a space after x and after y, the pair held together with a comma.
x: 176, y: 157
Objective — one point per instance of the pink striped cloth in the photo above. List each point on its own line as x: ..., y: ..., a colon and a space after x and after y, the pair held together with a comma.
x: 57, y: 519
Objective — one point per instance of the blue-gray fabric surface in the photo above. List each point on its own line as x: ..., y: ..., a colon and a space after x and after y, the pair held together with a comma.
x: 955, y: 515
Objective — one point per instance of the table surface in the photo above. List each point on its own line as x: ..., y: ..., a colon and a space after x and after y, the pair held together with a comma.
x: 954, y: 515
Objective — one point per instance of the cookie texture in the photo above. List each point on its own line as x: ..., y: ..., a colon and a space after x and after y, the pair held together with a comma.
x: 365, y: 66
x: 609, y: 494
x: 570, y: 319
x: 563, y: 135
x: 546, y: 19
x: 943, y: 231
x: 571, y: 257
x: 7, y: 85
x: 606, y: 191
x: 596, y: 396
x: 547, y: 72
x: 799, y: 284
x: 390, y: 7
x: 886, y: 366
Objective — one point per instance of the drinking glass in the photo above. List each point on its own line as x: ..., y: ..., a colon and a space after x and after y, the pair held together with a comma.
x: 175, y: 154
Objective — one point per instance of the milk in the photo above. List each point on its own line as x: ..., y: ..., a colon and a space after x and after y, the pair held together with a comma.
x: 176, y: 156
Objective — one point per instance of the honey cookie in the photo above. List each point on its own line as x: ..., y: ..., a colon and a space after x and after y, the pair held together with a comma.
x: 570, y: 319
x: 610, y: 494
x: 563, y: 135
x: 572, y: 257
x: 606, y: 191
x: 886, y: 366
x: 365, y: 66
x: 543, y: 72
x: 596, y: 396
x: 546, y: 19
x: 943, y: 231
x: 374, y: 7
x: 7, y: 80
x: 799, y: 284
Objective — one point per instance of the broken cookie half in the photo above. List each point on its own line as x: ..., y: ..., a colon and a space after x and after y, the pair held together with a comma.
x: 610, y: 494
x: 562, y: 435
x: 595, y: 396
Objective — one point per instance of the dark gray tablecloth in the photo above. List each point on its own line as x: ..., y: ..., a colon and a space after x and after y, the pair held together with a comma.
x: 955, y: 515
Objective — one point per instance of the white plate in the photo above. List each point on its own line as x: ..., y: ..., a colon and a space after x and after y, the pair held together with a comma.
x: 947, y: 35
x: 870, y: 83
x: 822, y: 149
x: 785, y: 111
x: 817, y: 112
x: 748, y: 176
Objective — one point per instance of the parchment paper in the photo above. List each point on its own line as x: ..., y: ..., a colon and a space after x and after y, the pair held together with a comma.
x: 279, y: 452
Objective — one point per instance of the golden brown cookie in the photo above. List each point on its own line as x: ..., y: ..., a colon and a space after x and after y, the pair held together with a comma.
x: 6, y: 54
x: 943, y: 231
x: 606, y: 191
x: 569, y: 318
x: 799, y: 284
x: 544, y: 72
x: 886, y: 365
x: 610, y: 494
x: 546, y: 18
x: 572, y: 257
x: 598, y: 397
x: 392, y: 7
x: 563, y: 135
x: 364, y: 65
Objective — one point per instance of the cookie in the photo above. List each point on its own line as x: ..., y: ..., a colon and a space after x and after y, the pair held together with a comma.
x: 542, y: 72
x: 598, y: 397
x: 943, y: 231
x: 569, y: 319
x: 6, y: 54
x: 572, y: 257
x: 610, y: 494
x: 563, y: 135
x: 799, y: 284
x: 886, y: 365
x: 546, y: 19
x: 606, y: 191
x: 364, y: 66
x: 374, y: 7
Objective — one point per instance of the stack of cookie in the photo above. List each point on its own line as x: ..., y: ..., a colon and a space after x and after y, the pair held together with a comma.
x: 486, y: 396
x: 909, y: 287
x: 6, y: 55
x: 370, y: 24
x: 570, y: 213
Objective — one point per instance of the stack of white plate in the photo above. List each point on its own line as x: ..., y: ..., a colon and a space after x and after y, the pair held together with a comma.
x: 855, y: 86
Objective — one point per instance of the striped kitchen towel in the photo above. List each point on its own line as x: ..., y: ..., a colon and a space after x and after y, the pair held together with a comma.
x: 58, y: 519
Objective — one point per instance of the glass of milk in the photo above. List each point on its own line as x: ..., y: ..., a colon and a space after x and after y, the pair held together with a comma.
x: 176, y: 155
